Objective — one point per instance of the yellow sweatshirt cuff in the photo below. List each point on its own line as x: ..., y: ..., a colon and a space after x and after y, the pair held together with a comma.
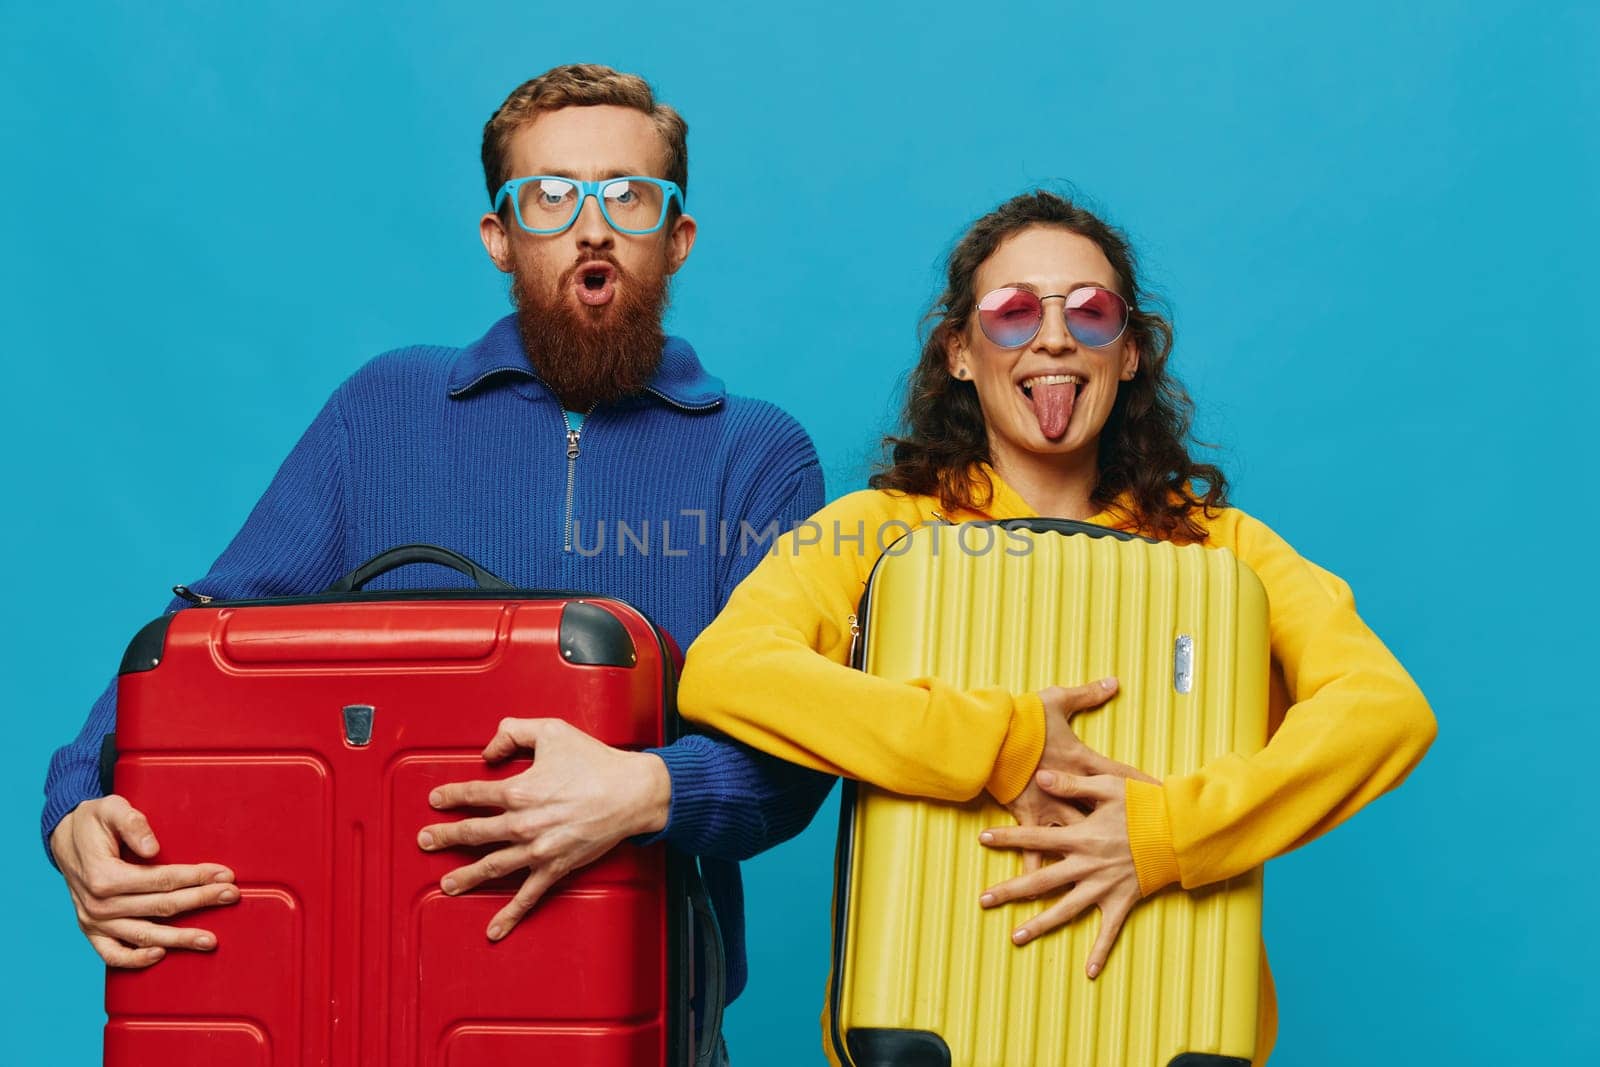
x: 1150, y: 836
x: 1020, y: 751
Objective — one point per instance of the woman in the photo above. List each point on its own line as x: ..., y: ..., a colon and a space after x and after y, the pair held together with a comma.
x: 1043, y: 389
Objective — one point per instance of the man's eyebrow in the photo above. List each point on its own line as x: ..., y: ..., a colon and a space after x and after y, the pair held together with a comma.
x: 614, y: 172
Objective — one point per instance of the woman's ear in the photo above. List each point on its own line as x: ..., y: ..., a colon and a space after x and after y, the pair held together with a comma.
x: 955, y: 355
x: 1130, y: 362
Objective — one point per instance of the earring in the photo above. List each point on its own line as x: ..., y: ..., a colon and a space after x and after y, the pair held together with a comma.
x: 962, y: 374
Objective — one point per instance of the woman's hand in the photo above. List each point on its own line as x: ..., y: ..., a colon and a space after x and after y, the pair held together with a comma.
x: 1096, y: 865
x: 1065, y: 753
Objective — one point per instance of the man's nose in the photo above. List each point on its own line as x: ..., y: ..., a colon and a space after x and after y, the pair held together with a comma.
x: 591, y: 230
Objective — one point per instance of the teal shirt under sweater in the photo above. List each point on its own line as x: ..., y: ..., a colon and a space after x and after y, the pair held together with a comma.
x: 468, y: 449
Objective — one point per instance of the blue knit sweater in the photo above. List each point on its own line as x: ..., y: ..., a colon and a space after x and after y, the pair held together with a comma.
x: 468, y: 449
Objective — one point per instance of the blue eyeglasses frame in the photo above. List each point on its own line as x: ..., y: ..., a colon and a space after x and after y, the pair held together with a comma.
x: 585, y: 191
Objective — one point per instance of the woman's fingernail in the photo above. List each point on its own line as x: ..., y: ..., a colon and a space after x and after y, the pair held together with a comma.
x: 1047, y: 779
x: 448, y: 885
x: 496, y: 932
x: 986, y: 837
x: 425, y: 839
x: 1019, y: 936
x: 222, y: 876
x: 205, y: 941
x: 228, y: 896
x: 1094, y: 970
x: 435, y: 798
x: 1108, y: 683
x: 986, y: 900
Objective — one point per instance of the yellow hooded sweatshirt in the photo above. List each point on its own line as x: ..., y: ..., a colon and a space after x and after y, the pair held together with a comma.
x: 1346, y: 722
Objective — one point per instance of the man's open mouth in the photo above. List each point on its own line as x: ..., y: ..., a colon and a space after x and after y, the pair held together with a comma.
x: 596, y: 283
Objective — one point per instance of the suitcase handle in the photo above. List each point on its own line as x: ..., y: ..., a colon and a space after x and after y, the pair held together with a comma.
x: 385, y: 562
x: 709, y: 932
x: 1070, y: 526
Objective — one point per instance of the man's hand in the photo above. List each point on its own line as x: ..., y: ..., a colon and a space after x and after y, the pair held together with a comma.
x: 116, y: 899
x: 1096, y: 868
x: 571, y: 807
x: 1064, y: 753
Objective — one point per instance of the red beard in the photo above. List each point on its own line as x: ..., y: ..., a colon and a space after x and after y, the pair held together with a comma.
x: 591, y: 356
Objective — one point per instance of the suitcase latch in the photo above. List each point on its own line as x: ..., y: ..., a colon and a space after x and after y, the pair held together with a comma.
x: 1183, y: 663
x: 358, y: 723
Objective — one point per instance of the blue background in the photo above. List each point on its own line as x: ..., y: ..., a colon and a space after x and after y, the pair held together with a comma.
x: 1375, y: 224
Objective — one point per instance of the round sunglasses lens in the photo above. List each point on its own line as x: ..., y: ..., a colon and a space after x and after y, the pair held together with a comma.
x: 1096, y: 316
x: 1010, y: 317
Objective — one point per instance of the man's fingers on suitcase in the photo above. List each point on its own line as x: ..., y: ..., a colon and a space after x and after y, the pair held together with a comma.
x: 513, y: 735
x: 1112, y: 915
x: 494, y: 865
x: 138, y: 933
x: 116, y: 954
x: 167, y: 905
x: 465, y: 832
x: 131, y: 826
x: 469, y: 795
x: 1063, y: 911
x: 533, y: 889
x: 115, y: 878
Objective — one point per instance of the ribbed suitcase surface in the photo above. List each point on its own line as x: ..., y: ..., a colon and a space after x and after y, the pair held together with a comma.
x: 922, y: 975
x: 297, y: 743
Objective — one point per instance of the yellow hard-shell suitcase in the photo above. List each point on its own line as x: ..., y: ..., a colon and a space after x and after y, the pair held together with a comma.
x: 922, y: 975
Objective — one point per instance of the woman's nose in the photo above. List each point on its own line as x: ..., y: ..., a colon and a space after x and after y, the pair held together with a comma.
x: 1053, y: 336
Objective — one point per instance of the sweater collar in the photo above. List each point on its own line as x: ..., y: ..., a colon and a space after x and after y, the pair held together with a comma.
x: 1004, y: 502
x: 498, y: 358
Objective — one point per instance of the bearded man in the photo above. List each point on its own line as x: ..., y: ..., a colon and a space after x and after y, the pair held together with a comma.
x: 573, y: 446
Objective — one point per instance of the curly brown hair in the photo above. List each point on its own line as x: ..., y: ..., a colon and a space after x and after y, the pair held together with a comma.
x: 581, y: 85
x: 1143, y: 448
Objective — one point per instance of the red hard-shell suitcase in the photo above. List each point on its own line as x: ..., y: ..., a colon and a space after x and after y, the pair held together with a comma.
x: 296, y: 741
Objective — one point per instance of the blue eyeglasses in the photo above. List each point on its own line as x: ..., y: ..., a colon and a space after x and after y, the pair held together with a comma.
x: 545, y: 204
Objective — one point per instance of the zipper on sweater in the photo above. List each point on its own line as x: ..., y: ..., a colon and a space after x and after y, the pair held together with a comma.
x: 855, y: 635
x: 573, y: 442
x: 573, y: 436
